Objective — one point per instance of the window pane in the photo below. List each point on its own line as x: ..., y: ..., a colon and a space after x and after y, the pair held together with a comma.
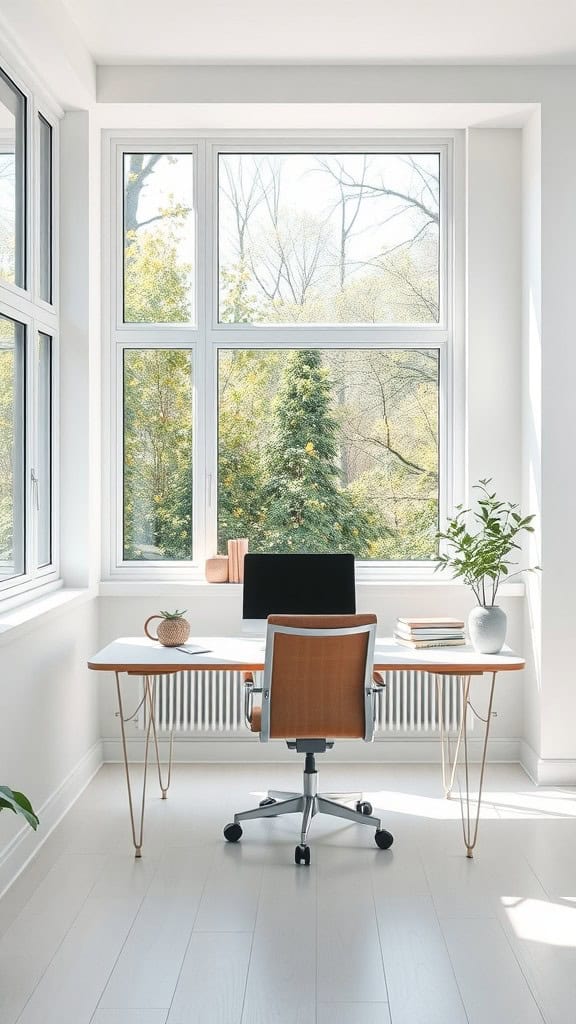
x: 158, y: 454
x: 12, y: 183
x: 158, y: 238
x: 12, y: 420
x: 329, y: 238
x: 329, y: 450
x: 45, y: 284
x: 44, y: 467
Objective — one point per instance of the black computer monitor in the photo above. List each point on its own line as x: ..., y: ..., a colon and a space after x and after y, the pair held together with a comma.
x: 298, y: 585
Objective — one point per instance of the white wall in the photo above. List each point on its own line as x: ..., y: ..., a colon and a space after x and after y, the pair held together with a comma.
x: 494, y: 308
x: 558, y: 490
x: 49, y: 735
x: 80, y: 349
x: 531, y: 378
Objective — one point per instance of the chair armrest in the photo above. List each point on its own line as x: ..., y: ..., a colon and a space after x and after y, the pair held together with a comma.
x: 249, y: 690
x: 374, y: 694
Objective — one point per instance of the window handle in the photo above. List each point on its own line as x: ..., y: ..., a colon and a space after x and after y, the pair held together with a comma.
x: 35, y: 490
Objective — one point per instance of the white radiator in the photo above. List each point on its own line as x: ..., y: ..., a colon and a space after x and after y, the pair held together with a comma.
x: 213, y: 703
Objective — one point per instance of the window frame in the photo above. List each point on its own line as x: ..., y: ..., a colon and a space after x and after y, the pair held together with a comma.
x: 38, y: 316
x: 206, y: 335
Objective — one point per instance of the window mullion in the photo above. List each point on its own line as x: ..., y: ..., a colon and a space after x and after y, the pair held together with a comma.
x: 210, y: 419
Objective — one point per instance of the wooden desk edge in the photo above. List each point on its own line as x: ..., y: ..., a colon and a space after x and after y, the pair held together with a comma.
x: 141, y: 669
x: 244, y: 666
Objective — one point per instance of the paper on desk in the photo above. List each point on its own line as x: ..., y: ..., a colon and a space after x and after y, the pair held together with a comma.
x: 193, y: 649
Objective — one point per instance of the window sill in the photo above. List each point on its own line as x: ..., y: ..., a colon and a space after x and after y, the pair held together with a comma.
x: 17, y: 621
x: 232, y: 591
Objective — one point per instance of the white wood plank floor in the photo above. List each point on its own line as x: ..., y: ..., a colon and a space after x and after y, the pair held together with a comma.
x: 203, y: 932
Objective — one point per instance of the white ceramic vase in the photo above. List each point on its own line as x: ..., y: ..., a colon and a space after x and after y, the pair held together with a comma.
x: 487, y: 629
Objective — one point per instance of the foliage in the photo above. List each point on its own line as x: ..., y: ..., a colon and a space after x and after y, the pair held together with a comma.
x: 173, y: 615
x: 482, y: 559
x: 388, y: 293
x: 306, y: 509
x: 11, y: 369
x: 157, y: 454
x: 156, y: 281
x: 14, y: 801
x: 246, y: 388
x: 6, y: 453
x: 237, y: 306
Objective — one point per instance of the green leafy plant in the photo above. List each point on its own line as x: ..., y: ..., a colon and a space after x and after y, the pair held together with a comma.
x: 173, y: 615
x: 484, y: 558
x: 19, y: 804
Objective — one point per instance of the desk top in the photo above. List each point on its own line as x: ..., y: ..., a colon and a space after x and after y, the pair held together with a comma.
x: 142, y: 656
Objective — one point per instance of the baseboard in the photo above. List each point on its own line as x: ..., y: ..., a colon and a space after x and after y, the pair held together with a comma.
x: 248, y: 750
x: 547, y: 771
x: 26, y: 843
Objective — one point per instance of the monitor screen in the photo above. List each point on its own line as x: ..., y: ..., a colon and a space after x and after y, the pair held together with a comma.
x: 298, y: 585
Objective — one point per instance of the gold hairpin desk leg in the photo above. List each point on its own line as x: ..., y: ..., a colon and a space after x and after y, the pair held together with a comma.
x: 470, y: 821
x: 470, y: 816
x: 150, y: 697
x: 448, y: 766
x: 149, y: 694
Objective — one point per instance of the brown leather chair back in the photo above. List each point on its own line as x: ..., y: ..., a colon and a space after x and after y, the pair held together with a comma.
x: 317, y: 684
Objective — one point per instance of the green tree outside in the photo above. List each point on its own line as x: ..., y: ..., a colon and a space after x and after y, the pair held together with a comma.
x: 306, y: 508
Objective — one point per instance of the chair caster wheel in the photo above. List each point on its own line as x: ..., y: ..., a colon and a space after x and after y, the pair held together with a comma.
x: 383, y: 838
x: 364, y: 807
x: 302, y: 855
x: 232, y: 832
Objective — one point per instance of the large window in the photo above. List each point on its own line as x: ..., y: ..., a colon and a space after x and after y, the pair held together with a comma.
x: 28, y: 342
x: 281, y: 326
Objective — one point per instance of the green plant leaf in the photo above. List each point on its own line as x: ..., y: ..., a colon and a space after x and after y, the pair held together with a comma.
x: 19, y: 804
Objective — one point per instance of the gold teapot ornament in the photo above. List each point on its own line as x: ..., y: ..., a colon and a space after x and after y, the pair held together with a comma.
x: 173, y: 630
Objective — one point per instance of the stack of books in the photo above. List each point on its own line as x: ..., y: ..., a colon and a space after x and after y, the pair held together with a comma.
x: 236, y: 550
x: 431, y: 632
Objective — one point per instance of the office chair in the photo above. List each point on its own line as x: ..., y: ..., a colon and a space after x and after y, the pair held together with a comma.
x: 318, y: 686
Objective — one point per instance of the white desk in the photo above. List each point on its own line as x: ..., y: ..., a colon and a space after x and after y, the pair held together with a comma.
x: 147, y: 658
x: 139, y: 655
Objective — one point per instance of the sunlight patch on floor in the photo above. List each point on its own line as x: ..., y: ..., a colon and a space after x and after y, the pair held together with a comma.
x: 552, y: 922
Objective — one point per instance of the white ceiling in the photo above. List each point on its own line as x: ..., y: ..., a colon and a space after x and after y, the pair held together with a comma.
x: 327, y: 31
